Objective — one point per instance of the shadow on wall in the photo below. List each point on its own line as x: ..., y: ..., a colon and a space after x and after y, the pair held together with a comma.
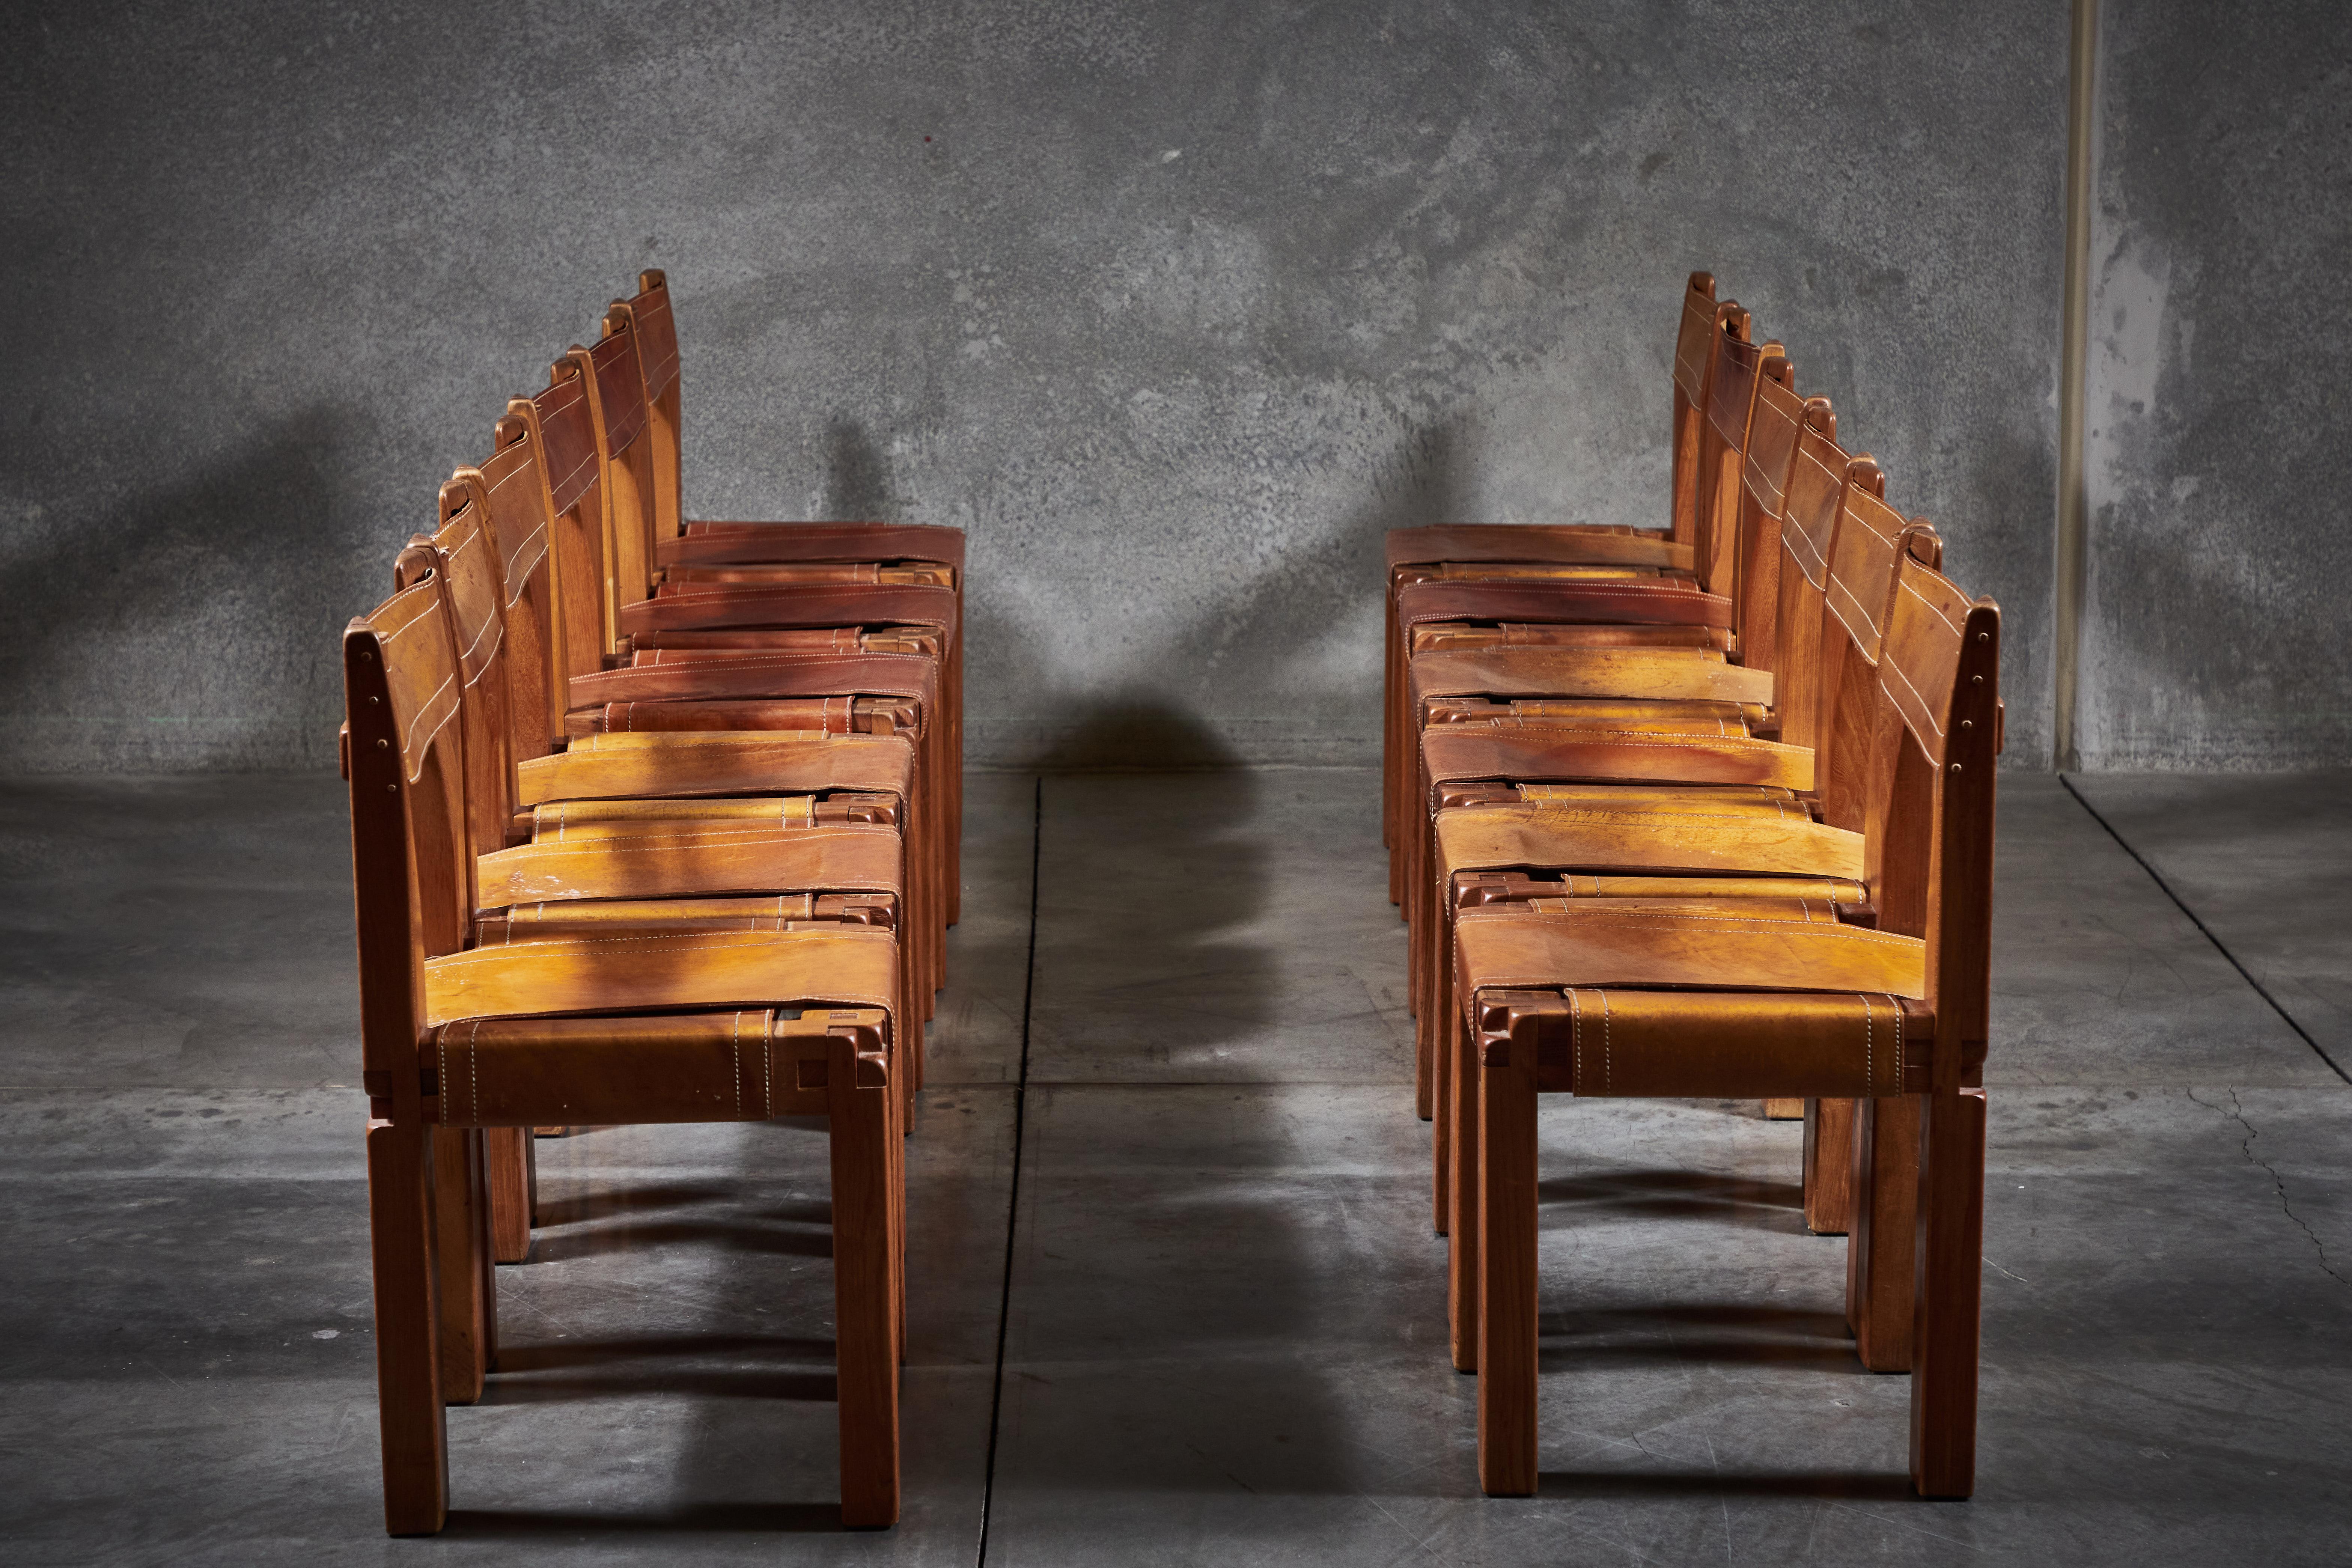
x: 1309, y: 623
x: 195, y: 627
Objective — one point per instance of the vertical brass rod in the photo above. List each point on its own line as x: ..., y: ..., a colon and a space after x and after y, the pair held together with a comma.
x: 2073, y: 375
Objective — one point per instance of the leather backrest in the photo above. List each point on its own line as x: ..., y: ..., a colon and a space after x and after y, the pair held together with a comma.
x: 536, y: 437
x: 1694, y: 337
x: 1722, y: 443
x: 1920, y: 663
x: 1702, y: 319
x: 1769, y: 450
x: 1868, y: 542
x: 1816, y: 493
x: 620, y: 387
x: 650, y: 322
x: 460, y: 557
x: 512, y: 496
x: 411, y: 863
x: 567, y: 436
x: 656, y: 333
x: 421, y: 675
x: 1929, y: 843
x: 616, y: 394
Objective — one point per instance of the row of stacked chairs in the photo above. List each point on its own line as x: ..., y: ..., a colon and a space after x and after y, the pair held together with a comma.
x: 652, y: 821
x: 1705, y: 811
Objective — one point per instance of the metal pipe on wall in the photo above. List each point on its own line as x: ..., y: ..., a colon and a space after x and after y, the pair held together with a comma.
x: 2073, y: 522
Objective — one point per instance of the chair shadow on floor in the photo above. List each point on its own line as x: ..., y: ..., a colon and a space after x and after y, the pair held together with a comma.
x: 654, y: 1290
x: 1660, y: 1194
x: 690, y: 1520
x: 1704, y: 1334
x: 1176, y: 1271
x: 1851, y: 1485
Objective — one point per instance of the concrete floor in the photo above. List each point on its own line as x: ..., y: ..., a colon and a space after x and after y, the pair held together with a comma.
x: 1224, y: 1335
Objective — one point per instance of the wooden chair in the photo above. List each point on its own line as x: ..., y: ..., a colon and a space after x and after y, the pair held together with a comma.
x: 551, y: 443
x: 688, y: 601
x: 1490, y: 552
x: 712, y: 790
x: 1495, y: 842
x: 693, y: 1027
x: 1792, y: 467
x: 1615, y: 997
x: 776, y: 554
x: 841, y: 849
x: 1673, y: 618
x: 1522, y: 694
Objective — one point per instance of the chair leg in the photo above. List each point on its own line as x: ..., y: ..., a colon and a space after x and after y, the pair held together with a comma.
x: 902, y: 1124
x: 1829, y: 1166
x: 1444, y: 1089
x: 462, y: 1257
x: 1428, y: 1027
x: 1424, y: 1075
x: 1951, y: 1295
x: 1460, y: 1066
x: 866, y: 1347
x: 1506, y: 1259
x: 508, y: 1150
x: 407, y: 1355
x: 1879, y: 1243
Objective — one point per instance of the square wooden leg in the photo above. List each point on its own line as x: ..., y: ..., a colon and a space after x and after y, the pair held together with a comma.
x: 1506, y: 1259
x: 1947, y: 1343
x: 1445, y: 1089
x: 1460, y: 1066
x: 901, y: 1125
x: 461, y: 1226
x: 407, y: 1351
x: 1829, y: 1166
x: 1880, y: 1244
x: 506, y: 1151
x: 865, y: 1317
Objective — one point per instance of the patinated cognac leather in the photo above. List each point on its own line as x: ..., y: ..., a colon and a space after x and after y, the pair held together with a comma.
x: 679, y: 858
x: 1653, y: 674
x: 742, y: 1066
x: 846, y: 966
x: 689, y: 859
x: 699, y: 606
x: 1764, y: 944
x: 738, y: 1065
x: 576, y: 918
x: 729, y: 543
x: 641, y: 766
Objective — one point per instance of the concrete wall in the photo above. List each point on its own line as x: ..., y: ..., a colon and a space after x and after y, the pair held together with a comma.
x: 1175, y: 308
x: 2216, y: 633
